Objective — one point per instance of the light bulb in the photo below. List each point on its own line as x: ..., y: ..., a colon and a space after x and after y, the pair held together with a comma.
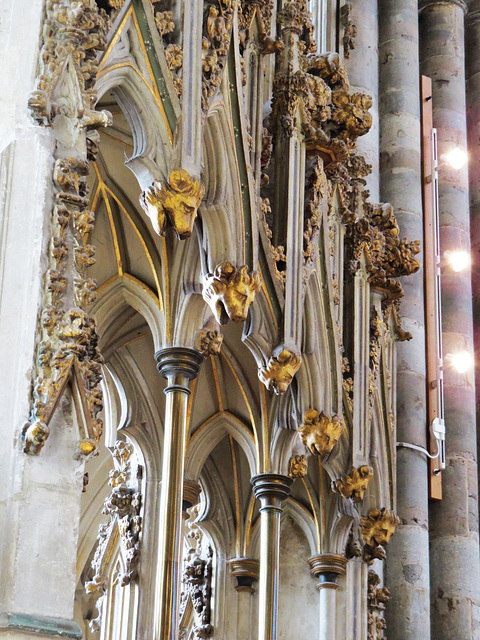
x: 462, y: 361
x: 456, y: 158
x: 458, y: 260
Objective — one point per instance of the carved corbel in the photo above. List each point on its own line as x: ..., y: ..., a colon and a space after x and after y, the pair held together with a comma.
x: 376, y: 529
x: 278, y: 373
x: 352, y: 486
x: 298, y: 467
x: 320, y: 432
x: 174, y: 201
x: 209, y: 341
x: 230, y: 291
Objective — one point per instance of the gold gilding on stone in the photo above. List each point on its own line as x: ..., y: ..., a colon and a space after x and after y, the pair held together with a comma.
x: 354, y: 485
x: 320, y: 432
x: 376, y: 529
x: 278, y: 374
x: 297, y: 467
x: 175, y: 201
x: 230, y: 291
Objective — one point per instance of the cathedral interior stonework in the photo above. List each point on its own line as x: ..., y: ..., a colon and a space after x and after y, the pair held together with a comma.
x: 239, y: 293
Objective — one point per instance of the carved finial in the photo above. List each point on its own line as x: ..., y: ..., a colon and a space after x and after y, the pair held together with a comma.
x: 298, y: 467
x: 376, y: 529
x: 209, y: 341
x: 230, y: 291
x: 320, y: 432
x: 279, y: 371
x: 175, y: 201
x: 353, y: 485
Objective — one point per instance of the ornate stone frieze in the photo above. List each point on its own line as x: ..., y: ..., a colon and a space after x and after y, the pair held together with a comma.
x: 230, y: 291
x: 354, y: 484
x: 278, y: 373
x: 217, y: 31
x: 73, y: 34
x: 197, y: 584
x: 377, y: 597
x: 320, y: 432
x: 298, y: 467
x: 376, y: 529
x: 174, y: 201
x: 124, y: 527
x: 64, y: 99
x: 68, y: 345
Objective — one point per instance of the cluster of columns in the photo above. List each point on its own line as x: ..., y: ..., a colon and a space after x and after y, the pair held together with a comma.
x: 433, y: 561
x: 180, y: 366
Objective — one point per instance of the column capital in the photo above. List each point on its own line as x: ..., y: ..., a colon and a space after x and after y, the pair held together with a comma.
x: 271, y: 488
x: 178, y: 361
x: 425, y: 4
x: 326, y: 568
x: 191, y: 494
x: 246, y: 571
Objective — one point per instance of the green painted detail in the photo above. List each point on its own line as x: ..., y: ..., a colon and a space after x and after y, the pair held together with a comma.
x: 240, y: 154
x: 153, y: 59
x: 43, y: 625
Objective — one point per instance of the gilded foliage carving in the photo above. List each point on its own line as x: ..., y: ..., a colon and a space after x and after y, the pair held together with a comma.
x: 125, y: 524
x: 210, y: 341
x: 64, y: 99
x: 173, y: 202
x: 230, y: 291
x: 376, y: 529
x: 217, y: 31
x: 354, y: 484
x: 349, y: 30
x: 377, y: 597
x: 197, y: 584
x: 279, y: 371
x: 68, y: 343
x: 73, y: 34
x: 263, y: 9
x: 298, y: 467
x: 320, y: 432
x: 173, y: 51
x: 376, y: 235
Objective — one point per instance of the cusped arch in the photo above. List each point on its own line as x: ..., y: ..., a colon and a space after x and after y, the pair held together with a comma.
x: 126, y: 291
x: 210, y: 434
x: 153, y: 152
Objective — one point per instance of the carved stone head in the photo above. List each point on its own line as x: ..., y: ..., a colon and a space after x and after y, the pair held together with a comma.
x: 278, y: 374
x: 378, y: 526
x: 354, y: 485
x: 230, y: 291
x: 175, y: 201
x: 320, y: 432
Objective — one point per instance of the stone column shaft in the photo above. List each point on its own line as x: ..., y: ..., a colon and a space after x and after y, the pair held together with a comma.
x: 455, y: 570
x: 271, y: 489
x: 179, y: 366
x: 408, y: 615
x: 327, y: 568
x: 362, y: 67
